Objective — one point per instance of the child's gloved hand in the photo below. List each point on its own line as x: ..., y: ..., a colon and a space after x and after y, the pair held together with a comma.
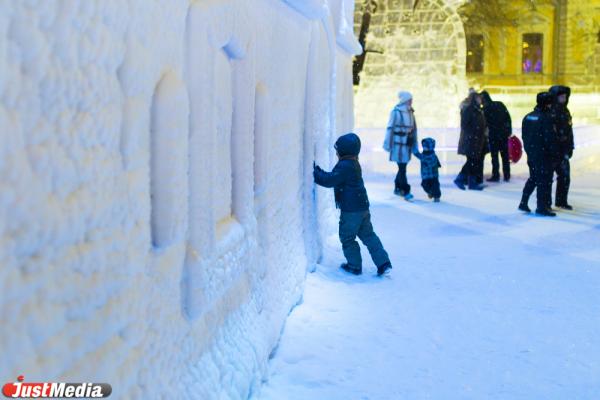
x: 316, y: 170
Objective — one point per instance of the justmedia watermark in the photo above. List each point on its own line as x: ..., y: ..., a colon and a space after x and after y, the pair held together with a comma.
x: 50, y: 390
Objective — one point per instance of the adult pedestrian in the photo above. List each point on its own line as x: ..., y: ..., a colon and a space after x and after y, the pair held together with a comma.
x: 564, y: 127
x: 499, y: 125
x: 540, y: 142
x: 401, y: 141
x: 472, y: 142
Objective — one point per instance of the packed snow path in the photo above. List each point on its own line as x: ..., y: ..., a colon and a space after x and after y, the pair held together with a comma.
x: 484, y: 302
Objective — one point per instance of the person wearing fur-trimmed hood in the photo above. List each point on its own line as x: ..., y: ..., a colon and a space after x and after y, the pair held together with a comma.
x: 401, y: 140
x: 564, y: 125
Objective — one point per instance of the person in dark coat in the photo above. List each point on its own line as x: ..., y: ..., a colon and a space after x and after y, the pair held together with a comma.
x: 472, y: 142
x: 481, y: 164
x: 499, y: 124
x: 541, y: 144
x: 564, y: 127
x: 351, y: 198
x: 429, y: 169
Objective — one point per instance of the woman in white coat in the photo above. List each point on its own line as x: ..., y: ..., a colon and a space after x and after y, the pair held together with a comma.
x: 401, y: 141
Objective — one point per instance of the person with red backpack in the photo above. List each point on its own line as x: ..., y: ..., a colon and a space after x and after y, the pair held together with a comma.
x: 499, y: 124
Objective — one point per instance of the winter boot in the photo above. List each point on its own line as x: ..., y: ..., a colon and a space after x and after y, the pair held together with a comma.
x: 408, y: 197
x: 473, y: 185
x: 564, y: 206
x: 545, y: 213
x: 524, y: 207
x: 384, y: 268
x: 494, y: 178
x: 355, y: 271
x: 398, y: 192
x: 460, y: 181
x: 436, y: 200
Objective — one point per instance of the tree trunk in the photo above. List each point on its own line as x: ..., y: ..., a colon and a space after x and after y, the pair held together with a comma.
x: 369, y: 7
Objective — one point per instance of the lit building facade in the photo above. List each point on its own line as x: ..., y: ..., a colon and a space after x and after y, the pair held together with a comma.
x: 533, y: 43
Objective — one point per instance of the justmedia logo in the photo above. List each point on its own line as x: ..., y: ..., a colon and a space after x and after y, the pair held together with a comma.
x: 49, y: 390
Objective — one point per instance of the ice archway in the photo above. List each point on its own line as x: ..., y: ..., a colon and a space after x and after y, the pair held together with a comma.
x: 419, y: 48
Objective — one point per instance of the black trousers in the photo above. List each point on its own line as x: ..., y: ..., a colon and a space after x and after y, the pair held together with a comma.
x: 563, y: 181
x: 401, y: 181
x: 501, y: 148
x: 432, y: 187
x: 540, y: 178
x: 471, y: 167
x: 480, y: 167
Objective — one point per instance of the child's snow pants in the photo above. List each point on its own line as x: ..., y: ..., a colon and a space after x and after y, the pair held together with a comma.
x: 432, y: 187
x: 353, y: 224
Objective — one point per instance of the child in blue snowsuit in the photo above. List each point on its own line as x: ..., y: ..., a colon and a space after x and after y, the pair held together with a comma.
x: 351, y: 198
x: 429, y: 169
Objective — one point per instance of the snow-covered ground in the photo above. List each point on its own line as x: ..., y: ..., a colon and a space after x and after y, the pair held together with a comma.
x: 483, y: 302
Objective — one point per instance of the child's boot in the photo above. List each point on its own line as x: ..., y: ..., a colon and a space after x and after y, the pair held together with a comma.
x: 348, y: 268
x: 384, y: 268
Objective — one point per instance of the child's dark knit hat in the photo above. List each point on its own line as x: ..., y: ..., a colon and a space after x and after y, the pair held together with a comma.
x: 428, y: 144
x: 348, y: 145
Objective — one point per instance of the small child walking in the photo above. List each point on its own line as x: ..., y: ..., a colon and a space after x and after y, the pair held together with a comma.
x: 351, y: 198
x: 429, y: 169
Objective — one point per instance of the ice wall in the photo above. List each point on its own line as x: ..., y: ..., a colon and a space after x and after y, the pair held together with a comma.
x: 157, y: 208
x: 420, y: 49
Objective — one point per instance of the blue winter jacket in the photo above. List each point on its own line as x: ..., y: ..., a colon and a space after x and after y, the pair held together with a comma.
x: 429, y: 160
x: 346, y: 177
x: 429, y: 164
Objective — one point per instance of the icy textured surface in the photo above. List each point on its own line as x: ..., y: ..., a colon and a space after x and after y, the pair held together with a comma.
x: 483, y: 302
x: 157, y: 212
x: 168, y: 160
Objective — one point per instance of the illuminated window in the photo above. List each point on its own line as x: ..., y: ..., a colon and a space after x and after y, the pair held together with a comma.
x: 475, y: 53
x: 533, y: 50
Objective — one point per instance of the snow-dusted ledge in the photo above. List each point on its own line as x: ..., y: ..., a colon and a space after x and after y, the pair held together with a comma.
x: 158, y: 212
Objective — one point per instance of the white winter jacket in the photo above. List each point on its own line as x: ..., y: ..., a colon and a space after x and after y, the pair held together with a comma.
x: 401, y: 134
